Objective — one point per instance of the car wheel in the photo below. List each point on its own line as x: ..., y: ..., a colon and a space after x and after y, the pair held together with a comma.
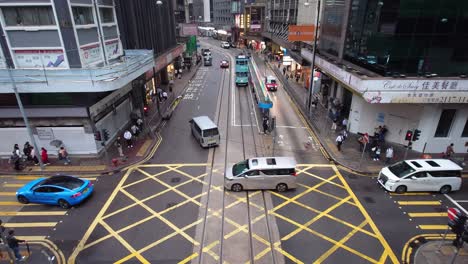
x: 445, y: 189
x: 64, y: 204
x: 281, y: 187
x: 236, y: 187
x: 23, y: 199
x: 401, y: 189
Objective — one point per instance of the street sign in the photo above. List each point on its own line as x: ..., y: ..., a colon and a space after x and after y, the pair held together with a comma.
x: 453, y: 213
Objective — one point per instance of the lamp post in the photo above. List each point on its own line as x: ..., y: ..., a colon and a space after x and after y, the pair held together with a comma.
x: 311, y: 83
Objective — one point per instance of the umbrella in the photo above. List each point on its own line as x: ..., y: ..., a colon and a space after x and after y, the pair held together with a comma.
x: 56, y: 143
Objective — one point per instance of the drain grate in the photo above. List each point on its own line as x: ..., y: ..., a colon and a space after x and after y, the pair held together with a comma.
x: 169, y: 205
x: 368, y: 199
x: 175, y: 180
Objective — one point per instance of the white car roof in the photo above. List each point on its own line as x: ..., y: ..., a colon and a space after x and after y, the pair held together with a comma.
x: 272, y: 162
x: 433, y: 164
x: 270, y: 78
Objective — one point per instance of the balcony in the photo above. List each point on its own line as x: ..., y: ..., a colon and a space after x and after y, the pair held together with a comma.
x: 96, y: 79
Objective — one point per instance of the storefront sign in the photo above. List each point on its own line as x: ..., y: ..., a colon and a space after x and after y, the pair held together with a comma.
x: 40, y: 59
x: 45, y: 133
x: 301, y: 33
x: 188, y: 30
x: 419, y: 97
x: 113, y: 49
x: 90, y: 54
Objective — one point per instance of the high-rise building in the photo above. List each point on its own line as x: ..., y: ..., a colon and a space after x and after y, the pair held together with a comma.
x: 222, y: 16
x: 80, y: 66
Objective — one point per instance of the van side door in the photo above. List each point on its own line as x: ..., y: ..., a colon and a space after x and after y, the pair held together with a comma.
x: 419, y: 181
x: 253, y: 180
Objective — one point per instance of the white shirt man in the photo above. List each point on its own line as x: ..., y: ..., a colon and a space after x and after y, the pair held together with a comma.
x: 128, y: 138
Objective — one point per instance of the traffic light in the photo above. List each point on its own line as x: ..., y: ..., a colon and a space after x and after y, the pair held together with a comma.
x: 105, y: 134
x: 409, y: 135
x: 416, y: 134
x: 145, y: 110
x: 97, y: 136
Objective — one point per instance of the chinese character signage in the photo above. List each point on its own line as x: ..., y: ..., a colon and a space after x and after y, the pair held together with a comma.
x: 113, y: 49
x: 40, y: 59
x: 90, y: 54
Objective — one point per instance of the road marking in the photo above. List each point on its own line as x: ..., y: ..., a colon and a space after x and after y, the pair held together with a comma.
x: 30, y: 238
x: 410, y: 194
x: 28, y: 178
x: 419, y: 203
x: 14, y: 204
x: 427, y: 214
x: 462, y: 201
x: 456, y: 204
x: 433, y: 227
x: 7, y: 193
x: 144, y: 148
x: 13, y: 185
x: 34, y: 213
x: 37, y: 224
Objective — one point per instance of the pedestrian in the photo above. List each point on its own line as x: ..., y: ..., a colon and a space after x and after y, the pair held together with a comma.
x: 376, y: 153
x: 287, y: 76
x: 284, y: 71
x: 13, y: 243
x: 63, y: 155
x: 16, y: 157
x: 265, y: 125
x: 344, y: 133
x: 297, y: 78
x: 344, y: 123
x: 164, y: 96
x: 339, y: 141
x: 139, y: 123
x: 335, y: 121
x: 34, y: 156
x: 45, y: 156
x: 27, y: 150
x: 118, y: 144
x: 449, y: 151
x: 135, y: 130
x: 128, y: 137
x: 388, y: 155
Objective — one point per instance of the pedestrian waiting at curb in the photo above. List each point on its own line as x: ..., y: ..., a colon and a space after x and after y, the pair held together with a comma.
x: 27, y: 150
x: 118, y: 144
x: 34, y: 156
x: 389, y: 155
x: 63, y: 155
x: 339, y: 141
x: 135, y: 130
x: 13, y: 243
x: 16, y: 157
x: 128, y: 137
x: 45, y: 156
x: 449, y: 151
x: 376, y: 153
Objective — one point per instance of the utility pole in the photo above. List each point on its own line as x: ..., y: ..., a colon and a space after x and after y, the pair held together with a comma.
x: 187, y: 11
x: 311, y: 83
x: 25, y: 119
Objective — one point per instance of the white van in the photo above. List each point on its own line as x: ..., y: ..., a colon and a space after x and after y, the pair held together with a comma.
x: 262, y: 173
x: 205, y: 131
x: 438, y: 175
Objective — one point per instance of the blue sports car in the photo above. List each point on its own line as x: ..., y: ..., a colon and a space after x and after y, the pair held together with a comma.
x: 61, y: 190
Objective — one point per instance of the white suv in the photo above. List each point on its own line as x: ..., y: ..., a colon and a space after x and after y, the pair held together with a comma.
x: 225, y: 45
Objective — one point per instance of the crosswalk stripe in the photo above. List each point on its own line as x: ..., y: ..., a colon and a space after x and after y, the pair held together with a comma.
x: 36, y: 224
x: 13, y: 185
x: 7, y: 193
x: 427, y: 214
x: 13, y: 204
x: 433, y: 227
x: 35, y: 213
x: 419, y: 203
x: 410, y: 194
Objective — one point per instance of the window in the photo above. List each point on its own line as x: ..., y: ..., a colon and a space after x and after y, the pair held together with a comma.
x: 210, y: 132
x: 465, y: 129
x: 445, y: 122
x: 417, y: 165
x: 433, y: 163
x: 270, y: 172
x: 419, y: 175
x: 83, y: 15
x: 28, y: 16
x: 107, y: 14
x: 42, y: 189
x: 445, y: 174
x: 271, y: 161
x: 252, y: 173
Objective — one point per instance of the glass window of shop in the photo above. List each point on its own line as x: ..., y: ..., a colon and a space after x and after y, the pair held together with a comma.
x: 332, y: 25
x: 410, y: 37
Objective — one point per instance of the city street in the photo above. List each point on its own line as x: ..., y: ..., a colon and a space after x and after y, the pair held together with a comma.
x: 173, y: 208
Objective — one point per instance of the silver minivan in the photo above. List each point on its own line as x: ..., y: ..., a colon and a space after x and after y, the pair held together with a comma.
x: 205, y: 131
x: 262, y: 173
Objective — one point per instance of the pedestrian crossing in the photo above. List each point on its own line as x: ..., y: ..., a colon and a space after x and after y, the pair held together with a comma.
x: 30, y: 220
x: 426, y: 210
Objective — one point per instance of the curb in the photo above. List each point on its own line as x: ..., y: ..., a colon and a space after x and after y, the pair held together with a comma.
x: 112, y: 170
x: 312, y: 126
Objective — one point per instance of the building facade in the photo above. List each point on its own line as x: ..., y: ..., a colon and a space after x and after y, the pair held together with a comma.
x: 222, y: 15
x: 399, y: 64
x: 78, y: 67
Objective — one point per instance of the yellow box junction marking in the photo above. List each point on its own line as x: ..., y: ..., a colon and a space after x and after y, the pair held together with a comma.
x: 427, y: 214
x: 419, y: 203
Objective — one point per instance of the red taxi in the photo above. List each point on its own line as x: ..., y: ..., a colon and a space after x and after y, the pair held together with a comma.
x: 270, y: 83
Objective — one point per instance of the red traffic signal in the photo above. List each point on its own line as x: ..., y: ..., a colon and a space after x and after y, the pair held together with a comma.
x: 409, y: 135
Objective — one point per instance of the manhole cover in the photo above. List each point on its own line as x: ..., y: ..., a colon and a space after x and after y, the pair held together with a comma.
x: 368, y: 199
x: 175, y: 179
x: 169, y: 205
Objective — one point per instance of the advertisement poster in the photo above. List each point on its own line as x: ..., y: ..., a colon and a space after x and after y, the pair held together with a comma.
x: 113, y: 49
x: 40, y: 59
x: 90, y: 54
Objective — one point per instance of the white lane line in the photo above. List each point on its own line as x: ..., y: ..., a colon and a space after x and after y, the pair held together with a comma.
x: 462, y: 201
x: 456, y: 204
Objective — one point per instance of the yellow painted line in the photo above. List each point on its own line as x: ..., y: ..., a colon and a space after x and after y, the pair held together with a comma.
x: 14, y: 204
x: 406, y: 253
x: 433, y: 227
x: 69, y: 168
x: 29, y: 178
x: 37, y: 224
x: 144, y: 148
x: 419, y: 203
x: 410, y: 194
x: 13, y: 185
x: 427, y: 214
x: 7, y: 193
x: 30, y: 238
x: 38, y: 213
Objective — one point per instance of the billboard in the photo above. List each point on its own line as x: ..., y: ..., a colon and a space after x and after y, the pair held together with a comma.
x: 301, y: 33
x: 188, y: 30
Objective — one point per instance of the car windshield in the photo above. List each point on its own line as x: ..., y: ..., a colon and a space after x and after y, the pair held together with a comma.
x: 240, y: 167
x: 401, y: 169
x: 272, y: 81
x: 210, y: 132
x: 242, y: 74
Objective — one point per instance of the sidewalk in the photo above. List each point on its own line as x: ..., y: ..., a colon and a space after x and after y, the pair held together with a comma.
x: 103, y: 164
x: 429, y: 253
x: 350, y: 156
x: 39, y: 252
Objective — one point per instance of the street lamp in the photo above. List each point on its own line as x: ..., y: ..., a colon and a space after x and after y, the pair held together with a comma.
x: 159, y: 2
x: 311, y: 83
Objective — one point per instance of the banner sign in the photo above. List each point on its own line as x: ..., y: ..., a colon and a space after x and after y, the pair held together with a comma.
x: 90, y: 54
x: 113, y: 49
x: 40, y: 59
x: 301, y: 33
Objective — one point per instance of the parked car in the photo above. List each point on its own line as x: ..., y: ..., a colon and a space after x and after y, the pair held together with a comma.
x: 225, y: 45
x: 224, y: 64
x: 270, y: 83
x: 61, y: 190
